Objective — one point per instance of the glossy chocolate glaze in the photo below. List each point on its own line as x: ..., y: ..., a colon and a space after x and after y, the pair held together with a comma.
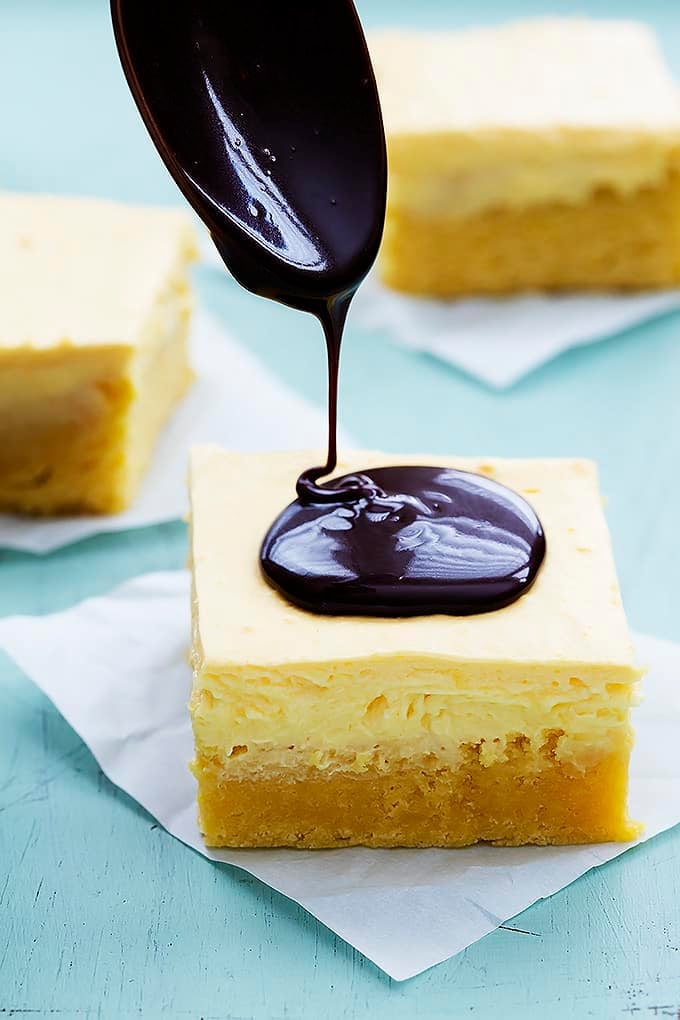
x: 418, y: 540
x: 267, y: 115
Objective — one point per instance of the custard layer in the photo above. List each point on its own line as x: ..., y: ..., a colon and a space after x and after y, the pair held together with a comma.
x: 410, y: 705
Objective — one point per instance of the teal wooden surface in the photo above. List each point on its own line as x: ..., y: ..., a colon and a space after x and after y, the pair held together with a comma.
x: 104, y: 915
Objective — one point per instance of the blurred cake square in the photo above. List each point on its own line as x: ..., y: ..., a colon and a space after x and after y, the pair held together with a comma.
x: 536, y: 155
x: 324, y: 731
x: 96, y: 305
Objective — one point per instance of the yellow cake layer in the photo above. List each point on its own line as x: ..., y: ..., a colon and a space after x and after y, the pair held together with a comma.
x: 282, y: 696
x: 606, y: 242
x: 528, y: 798
x: 93, y: 348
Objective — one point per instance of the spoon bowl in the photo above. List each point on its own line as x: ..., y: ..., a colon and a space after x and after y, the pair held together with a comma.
x: 267, y: 116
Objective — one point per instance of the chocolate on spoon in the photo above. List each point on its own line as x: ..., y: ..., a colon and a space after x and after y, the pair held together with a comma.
x: 267, y: 116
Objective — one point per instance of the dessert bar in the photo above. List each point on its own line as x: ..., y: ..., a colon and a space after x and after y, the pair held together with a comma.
x: 323, y: 731
x: 96, y: 306
x: 536, y: 155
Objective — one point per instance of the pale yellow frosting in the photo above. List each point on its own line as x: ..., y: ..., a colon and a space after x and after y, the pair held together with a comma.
x: 535, y: 111
x: 84, y: 272
x: 278, y: 681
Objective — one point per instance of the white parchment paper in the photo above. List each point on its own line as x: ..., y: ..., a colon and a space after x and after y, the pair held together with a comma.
x: 500, y: 340
x: 115, y: 668
x: 235, y: 401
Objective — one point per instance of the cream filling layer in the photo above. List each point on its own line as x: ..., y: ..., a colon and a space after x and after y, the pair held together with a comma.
x: 459, y: 175
x: 354, y: 715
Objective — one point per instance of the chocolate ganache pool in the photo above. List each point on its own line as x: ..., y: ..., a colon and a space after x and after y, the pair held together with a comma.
x: 414, y: 540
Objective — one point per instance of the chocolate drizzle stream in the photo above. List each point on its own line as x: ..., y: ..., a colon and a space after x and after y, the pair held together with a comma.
x: 267, y: 116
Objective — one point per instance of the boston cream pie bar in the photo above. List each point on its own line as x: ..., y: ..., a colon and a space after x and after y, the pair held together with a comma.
x: 324, y: 731
x: 538, y: 155
x: 95, y: 313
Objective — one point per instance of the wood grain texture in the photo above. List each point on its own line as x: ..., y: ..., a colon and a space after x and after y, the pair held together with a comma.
x: 102, y: 914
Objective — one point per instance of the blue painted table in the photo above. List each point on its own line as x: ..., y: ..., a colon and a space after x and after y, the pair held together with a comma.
x: 102, y: 913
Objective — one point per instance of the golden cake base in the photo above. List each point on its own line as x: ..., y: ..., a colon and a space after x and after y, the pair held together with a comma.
x: 417, y: 805
x: 609, y: 242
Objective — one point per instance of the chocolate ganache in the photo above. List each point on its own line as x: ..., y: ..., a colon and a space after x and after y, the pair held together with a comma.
x: 267, y: 116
